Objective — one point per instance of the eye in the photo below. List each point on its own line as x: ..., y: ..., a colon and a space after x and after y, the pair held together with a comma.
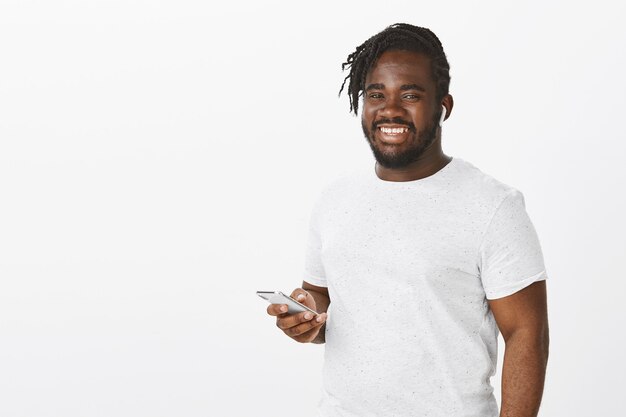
x: 375, y: 96
x: 412, y: 97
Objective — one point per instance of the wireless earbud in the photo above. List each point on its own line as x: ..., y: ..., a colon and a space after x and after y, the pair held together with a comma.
x: 443, y: 115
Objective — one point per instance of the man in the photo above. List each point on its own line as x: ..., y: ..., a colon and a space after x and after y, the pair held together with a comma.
x: 415, y: 265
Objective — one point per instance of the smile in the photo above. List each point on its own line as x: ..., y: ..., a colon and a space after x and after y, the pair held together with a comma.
x: 393, y: 130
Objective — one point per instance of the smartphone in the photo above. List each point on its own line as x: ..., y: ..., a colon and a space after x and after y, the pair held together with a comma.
x: 277, y: 297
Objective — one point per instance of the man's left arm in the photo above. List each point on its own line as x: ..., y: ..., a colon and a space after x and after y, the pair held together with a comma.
x: 523, y: 321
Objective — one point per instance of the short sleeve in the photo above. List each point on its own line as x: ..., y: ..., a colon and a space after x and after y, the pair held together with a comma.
x: 510, y: 254
x: 313, y: 266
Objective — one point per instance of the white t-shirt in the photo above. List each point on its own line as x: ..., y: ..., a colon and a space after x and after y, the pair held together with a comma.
x: 409, y: 267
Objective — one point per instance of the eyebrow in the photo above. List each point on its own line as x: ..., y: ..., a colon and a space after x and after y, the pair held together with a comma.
x: 404, y: 87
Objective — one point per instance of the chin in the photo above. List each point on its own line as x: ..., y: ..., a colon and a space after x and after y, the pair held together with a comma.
x: 397, y: 158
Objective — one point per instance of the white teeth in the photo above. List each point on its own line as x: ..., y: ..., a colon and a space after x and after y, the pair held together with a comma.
x: 393, y: 130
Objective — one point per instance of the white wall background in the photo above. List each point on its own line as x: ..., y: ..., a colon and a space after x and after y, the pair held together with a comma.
x: 159, y: 159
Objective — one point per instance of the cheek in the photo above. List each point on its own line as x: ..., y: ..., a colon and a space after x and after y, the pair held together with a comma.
x: 366, y: 121
x: 366, y: 126
x: 418, y: 119
x: 368, y: 116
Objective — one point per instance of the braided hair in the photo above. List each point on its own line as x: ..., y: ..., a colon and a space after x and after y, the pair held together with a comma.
x: 400, y: 36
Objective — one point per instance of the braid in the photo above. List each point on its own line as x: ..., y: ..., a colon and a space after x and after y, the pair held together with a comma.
x: 400, y: 36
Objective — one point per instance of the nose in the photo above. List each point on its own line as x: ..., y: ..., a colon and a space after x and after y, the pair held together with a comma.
x: 391, y: 109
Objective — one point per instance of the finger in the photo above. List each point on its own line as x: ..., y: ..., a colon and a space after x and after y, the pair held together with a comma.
x: 304, y: 297
x: 303, y: 324
x: 300, y: 295
x: 305, y: 327
x: 293, y: 320
x: 277, y: 309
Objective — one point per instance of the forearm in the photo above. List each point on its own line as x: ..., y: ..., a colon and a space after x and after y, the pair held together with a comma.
x: 321, y: 302
x: 523, y: 374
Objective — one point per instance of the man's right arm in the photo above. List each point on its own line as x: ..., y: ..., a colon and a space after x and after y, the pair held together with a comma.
x: 322, y: 301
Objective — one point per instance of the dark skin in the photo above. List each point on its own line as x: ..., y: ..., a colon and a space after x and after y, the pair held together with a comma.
x: 304, y: 327
x: 400, y: 87
x: 523, y: 321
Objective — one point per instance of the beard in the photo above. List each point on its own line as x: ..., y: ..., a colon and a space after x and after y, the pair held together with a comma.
x: 416, y: 144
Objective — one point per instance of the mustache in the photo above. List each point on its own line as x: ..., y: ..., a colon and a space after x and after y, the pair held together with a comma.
x: 394, y: 121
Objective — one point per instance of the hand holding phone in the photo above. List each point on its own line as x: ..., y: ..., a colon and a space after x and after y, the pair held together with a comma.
x: 295, y: 315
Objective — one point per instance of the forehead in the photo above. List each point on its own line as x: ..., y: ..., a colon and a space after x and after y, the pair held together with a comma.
x: 400, y: 67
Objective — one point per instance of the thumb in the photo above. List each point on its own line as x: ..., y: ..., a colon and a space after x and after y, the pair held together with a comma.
x: 299, y: 294
x: 303, y: 297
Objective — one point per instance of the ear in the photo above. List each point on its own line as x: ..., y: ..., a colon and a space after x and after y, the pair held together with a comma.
x: 447, y: 102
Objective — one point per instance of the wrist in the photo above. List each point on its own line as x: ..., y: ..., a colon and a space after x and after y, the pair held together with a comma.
x: 321, y: 336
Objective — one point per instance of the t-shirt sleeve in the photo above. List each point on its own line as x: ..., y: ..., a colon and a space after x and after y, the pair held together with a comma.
x: 313, y: 267
x: 510, y: 254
